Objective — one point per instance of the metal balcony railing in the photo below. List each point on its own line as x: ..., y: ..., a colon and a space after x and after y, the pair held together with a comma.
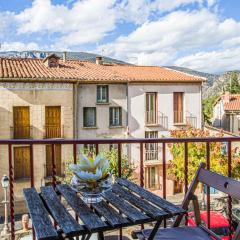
x: 53, y: 131
x: 156, y: 118
x: 35, y: 181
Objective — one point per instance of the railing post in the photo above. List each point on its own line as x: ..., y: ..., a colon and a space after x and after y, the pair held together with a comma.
x: 186, y: 174
x: 208, y: 188
x: 53, y: 166
x: 31, y: 165
x: 141, y: 166
x: 11, y: 191
x: 119, y: 175
x: 164, y: 175
x: 229, y: 197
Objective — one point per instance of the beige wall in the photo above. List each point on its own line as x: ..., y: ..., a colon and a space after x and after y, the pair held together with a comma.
x: 36, y: 96
x: 87, y: 97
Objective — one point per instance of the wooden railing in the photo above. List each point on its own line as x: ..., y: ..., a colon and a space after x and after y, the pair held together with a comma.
x: 119, y: 142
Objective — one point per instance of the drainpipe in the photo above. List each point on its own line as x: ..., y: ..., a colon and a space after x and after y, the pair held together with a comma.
x: 75, y: 110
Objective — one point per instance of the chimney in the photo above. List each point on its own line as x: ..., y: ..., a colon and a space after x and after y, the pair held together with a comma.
x: 99, y: 60
x: 226, y: 98
x: 64, y: 56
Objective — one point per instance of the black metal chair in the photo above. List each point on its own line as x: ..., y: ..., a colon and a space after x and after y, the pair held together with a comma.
x: 200, y: 232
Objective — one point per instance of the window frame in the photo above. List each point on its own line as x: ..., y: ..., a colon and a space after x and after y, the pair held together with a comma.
x: 85, y: 125
x: 112, y: 118
x: 99, y: 98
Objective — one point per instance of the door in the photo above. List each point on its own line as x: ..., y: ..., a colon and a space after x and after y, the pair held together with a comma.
x: 53, y: 122
x: 21, y: 162
x: 151, y: 108
x: 58, y: 160
x: 21, y: 122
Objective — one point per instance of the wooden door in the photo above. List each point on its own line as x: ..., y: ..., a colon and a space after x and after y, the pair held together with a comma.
x: 21, y: 121
x: 53, y: 122
x: 21, y: 162
x: 58, y: 160
x: 178, y: 107
x: 151, y: 108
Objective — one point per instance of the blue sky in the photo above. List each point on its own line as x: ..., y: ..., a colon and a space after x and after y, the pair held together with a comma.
x: 200, y: 34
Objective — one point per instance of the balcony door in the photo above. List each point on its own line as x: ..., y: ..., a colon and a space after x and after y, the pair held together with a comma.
x: 178, y: 107
x: 151, y: 108
x: 58, y: 160
x: 151, y: 149
x: 21, y: 162
x: 53, y: 122
x: 21, y: 122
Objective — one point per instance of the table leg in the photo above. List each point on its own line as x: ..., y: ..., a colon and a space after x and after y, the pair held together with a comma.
x: 100, y: 236
x: 88, y: 237
x: 155, y: 229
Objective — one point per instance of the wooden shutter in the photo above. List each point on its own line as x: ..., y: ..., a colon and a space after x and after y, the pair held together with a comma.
x: 178, y: 107
x: 151, y: 108
x: 21, y: 121
x: 21, y: 162
x: 53, y: 122
x: 58, y: 160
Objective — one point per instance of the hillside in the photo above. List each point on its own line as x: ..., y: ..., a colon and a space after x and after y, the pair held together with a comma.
x: 214, y: 83
x: 70, y: 55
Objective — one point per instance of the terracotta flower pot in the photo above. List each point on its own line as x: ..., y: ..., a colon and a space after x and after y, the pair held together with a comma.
x: 25, y: 222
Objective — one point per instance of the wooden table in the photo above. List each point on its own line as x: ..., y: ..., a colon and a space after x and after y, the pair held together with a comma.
x: 126, y: 204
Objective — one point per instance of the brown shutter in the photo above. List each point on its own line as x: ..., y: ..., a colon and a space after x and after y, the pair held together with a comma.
x: 178, y: 107
x: 58, y: 160
x: 21, y: 121
x: 21, y: 162
x: 53, y: 122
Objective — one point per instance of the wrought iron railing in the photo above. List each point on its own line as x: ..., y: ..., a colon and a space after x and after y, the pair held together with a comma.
x: 21, y: 132
x: 156, y: 118
x: 119, y: 142
x: 53, y: 131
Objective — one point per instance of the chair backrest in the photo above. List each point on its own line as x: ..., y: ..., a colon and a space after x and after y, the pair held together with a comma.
x: 219, y: 182
x: 224, y: 184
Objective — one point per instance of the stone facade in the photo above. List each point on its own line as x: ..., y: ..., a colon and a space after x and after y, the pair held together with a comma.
x: 37, y: 96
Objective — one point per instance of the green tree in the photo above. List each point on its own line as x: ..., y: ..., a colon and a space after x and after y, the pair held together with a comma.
x: 233, y: 85
x: 197, y: 154
x: 208, y: 108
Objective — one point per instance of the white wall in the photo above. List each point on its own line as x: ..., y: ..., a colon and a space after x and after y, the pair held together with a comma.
x: 136, y: 96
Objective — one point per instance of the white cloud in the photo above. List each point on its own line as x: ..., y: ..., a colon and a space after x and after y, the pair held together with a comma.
x: 214, y: 61
x: 86, y: 22
x: 178, y: 34
x: 19, y: 46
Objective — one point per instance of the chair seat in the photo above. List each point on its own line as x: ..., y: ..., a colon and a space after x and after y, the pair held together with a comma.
x: 178, y: 233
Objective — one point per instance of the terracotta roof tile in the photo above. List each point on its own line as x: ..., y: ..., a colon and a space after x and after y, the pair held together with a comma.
x: 32, y: 69
x: 233, y: 104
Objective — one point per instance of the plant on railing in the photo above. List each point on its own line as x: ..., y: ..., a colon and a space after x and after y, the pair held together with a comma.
x: 197, y: 154
x: 112, y: 157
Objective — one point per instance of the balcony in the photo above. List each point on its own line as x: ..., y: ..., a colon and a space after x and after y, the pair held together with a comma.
x: 21, y: 132
x: 35, y: 178
x: 182, y: 118
x: 53, y: 131
x: 154, y: 118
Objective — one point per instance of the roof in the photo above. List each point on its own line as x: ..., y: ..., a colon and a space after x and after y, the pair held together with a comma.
x: 18, y: 69
x: 233, y: 104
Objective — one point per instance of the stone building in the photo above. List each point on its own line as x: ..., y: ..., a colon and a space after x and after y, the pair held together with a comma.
x: 55, y: 98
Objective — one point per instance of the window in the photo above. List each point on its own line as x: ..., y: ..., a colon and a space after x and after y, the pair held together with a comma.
x: 151, y: 177
x: 151, y: 149
x: 102, y: 94
x: 178, y: 107
x: 115, y: 116
x: 21, y: 162
x: 21, y: 121
x: 151, y: 108
x: 58, y: 160
x: 89, y: 117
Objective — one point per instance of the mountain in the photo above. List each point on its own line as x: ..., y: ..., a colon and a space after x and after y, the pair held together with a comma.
x: 70, y: 55
x: 211, y: 79
x: 214, y: 84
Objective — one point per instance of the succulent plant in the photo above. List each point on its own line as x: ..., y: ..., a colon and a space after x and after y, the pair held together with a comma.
x: 91, y: 169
